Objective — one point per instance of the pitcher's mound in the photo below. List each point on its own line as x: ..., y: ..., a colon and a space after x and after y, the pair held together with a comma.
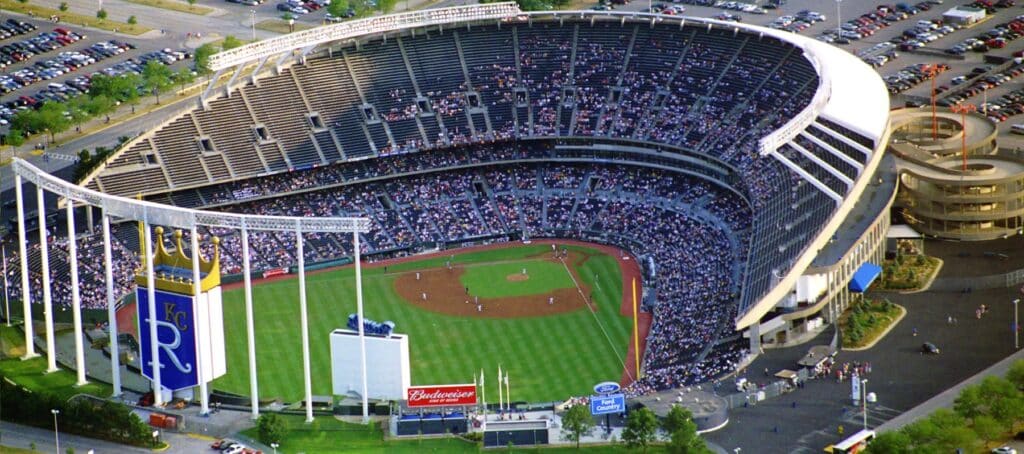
x: 519, y: 277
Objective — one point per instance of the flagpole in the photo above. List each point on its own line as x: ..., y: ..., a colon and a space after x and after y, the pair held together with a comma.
x: 483, y: 390
x: 500, y: 407
x: 508, y: 395
x: 7, y: 301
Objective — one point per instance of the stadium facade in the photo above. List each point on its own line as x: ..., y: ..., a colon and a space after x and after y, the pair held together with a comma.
x: 772, y: 140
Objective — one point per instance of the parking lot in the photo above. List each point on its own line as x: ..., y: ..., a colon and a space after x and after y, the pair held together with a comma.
x: 45, y: 61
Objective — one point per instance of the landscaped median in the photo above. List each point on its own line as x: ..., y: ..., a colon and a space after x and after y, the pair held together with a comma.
x: 67, y: 17
x: 908, y: 273
x: 865, y: 322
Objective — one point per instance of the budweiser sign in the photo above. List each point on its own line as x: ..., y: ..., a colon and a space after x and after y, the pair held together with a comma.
x: 441, y: 395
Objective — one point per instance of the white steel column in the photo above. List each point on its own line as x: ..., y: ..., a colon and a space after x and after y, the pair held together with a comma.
x: 154, y: 352
x: 305, y: 324
x: 76, y: 297
x: 362, y: 336
x: 249, y: 324
x: 26, y: 290
x: 108, y: 275
x: 44, y: 263
x: 204, y: 396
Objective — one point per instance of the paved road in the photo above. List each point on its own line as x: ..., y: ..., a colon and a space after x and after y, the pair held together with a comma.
x: 19, y: 436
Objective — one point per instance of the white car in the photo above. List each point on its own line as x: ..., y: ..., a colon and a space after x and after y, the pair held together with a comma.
x: 1004, y: 450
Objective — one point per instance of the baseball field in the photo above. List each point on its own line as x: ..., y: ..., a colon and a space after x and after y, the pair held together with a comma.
x: 556, y: 322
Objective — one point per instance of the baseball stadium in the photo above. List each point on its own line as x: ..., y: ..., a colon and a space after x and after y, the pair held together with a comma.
x: 574, y: 197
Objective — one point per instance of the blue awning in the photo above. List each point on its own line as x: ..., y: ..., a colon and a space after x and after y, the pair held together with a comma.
x: 865, y: 275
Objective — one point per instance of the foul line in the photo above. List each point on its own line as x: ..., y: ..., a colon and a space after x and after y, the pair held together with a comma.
x: 593, y: 312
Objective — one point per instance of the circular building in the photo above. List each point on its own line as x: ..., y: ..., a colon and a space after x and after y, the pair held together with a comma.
x: 947, y: 193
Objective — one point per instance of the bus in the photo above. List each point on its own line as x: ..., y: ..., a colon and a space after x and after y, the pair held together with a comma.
x: 854, y: 444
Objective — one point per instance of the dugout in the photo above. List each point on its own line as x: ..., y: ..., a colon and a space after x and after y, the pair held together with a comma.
x: 520, y: 433
x: 432, y: 423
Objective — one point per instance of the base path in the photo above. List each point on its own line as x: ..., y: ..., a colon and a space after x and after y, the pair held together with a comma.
x: 445, y: 293
x: 628, y: 267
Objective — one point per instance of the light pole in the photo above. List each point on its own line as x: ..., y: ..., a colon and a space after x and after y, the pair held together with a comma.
x: 864, y: 401
x: 274, y: 447
x: 1016, y: 326
x: 839, y: 22
x: 253, y: 25
x: 963, y: 109
x: 56, y: 435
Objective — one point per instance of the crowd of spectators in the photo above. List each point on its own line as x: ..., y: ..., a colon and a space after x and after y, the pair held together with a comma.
x: 703, y: 91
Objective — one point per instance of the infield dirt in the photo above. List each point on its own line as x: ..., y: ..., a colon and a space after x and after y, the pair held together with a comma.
x: 446, y: 294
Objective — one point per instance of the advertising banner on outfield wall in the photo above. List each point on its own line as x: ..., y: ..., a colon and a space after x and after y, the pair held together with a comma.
x: 441, y: 395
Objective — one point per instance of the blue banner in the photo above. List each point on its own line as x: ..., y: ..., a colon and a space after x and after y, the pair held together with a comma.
x: 176, y: 339
x: 605, y: 405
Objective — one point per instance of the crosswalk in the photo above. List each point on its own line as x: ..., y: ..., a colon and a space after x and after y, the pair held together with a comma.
x: 59, y: 157
x: 852, y: 420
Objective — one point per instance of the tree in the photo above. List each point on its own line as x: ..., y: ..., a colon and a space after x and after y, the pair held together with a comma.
x: 77, y: 111
x: 15, y: 137
x: 987, y: 428
x: 63, y: 6
x: 338, y: 8
x: 271, y: 428
x: 576, y: 423
x: 641, y: 428
x: 52, y: 119
x: 678, y: 418
x: 892, y: 442
x: 101, y: 14
x: 201, y: 58
x: 683, y: 437
x: 132, y: 20
x: 183, y: 76
x: 230, y: 42
x: 191, y: 3
x: 156, y: 77
x: 969, y: 403
x: 387, y: 5
x: 1016, y: 374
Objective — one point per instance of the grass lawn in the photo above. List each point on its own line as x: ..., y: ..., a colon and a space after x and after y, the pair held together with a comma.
x: 30, y: 373
x: 491, y: 281
x: 173, y: 5
x: 12, y: 450
x: 67, y: 17
x: 331, y: 435
x: 281, y: 26
x: 547, y: 358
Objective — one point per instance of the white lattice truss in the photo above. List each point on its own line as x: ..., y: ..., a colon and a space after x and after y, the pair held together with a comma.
x: 155, y: 213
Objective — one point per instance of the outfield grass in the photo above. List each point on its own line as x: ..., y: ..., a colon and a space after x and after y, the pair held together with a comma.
x: 547, y: 358
x: 491, y: 281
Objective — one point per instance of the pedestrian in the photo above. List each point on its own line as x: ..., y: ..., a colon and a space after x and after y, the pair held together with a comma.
x: 467, y: 289
x: 417, y: 275
x: 385, y: 269
x: 765, y: 371
x: 551, y: 300
x: 424, y: 296
x: 949, y: 319
x: 524, y: 271
x: 915, y: 332
x: 840, y: 429
x: 476, y: 299
x: 794, y: 404
x: 479, y: 307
